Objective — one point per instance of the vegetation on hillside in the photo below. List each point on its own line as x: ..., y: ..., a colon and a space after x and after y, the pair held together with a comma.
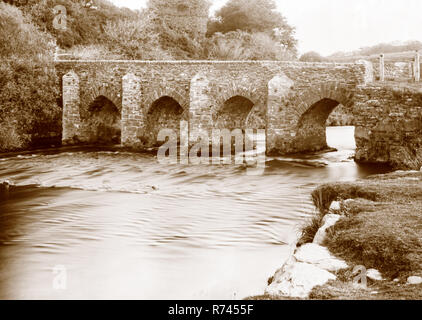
x: 392, y: 50
x: 29, y: 95
x: 398, y: 52
x: 30, y: 99
x: 312, y: 56
x: 250, y: 30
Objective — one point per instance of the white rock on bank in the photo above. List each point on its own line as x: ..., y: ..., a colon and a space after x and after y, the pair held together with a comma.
x: 335, y: 207
x: 297, y: 279
x: 374, y: 274
x: 414, y: 280
x: 328, y: 221
x: 320, y: 257
x: 347, y: 201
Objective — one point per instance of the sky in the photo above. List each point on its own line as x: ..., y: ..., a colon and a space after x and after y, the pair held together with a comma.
x: 329, y: 26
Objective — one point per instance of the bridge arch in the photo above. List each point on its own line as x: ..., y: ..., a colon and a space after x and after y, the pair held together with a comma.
x: 163, y: 113
x: 313, y: 110
x: 103, y: 121
x: 107, y: 91
x: 233, y: 113
x: 182, y: 98
x: 238, y: 106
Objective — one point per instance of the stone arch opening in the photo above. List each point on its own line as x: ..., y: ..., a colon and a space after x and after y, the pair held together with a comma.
x: 311, y: 133
x: 164, y: 113
x: 103, y: 121
x: 234, y: 114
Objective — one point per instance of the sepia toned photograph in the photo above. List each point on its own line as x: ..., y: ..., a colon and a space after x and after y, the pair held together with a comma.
x: 237, y: 151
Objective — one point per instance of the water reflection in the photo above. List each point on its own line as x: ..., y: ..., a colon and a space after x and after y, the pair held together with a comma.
x: 124, y: 226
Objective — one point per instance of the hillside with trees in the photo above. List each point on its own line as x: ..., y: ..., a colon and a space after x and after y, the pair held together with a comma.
x: 399, y: 51
x: 30, y: 103
x: 250, y: 30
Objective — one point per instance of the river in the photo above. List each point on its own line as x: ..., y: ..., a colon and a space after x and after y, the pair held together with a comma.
x: 108, y: 224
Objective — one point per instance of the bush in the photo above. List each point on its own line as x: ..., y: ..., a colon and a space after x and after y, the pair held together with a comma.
x: 242, y: 45
x: 29, y: 96
x: 134, y: 39
x: 312, y: 56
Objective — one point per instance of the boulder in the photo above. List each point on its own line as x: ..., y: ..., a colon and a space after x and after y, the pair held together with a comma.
x: 328, y: 221
x: 414, y: 280
x: 320, y: 257
x: 4, y: 189
x: 374, y: 274
x: 335, y: 207
x: 297, y: 279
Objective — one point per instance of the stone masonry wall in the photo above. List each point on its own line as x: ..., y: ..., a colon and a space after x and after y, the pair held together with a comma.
x: 389, y: 126
x: 292, y: 101
x: 281, y: 93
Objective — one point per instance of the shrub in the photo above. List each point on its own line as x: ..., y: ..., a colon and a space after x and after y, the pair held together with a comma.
x: 242, y: 45
x: 29, y: 95
x: 134, y: 39
x: 312, y: 56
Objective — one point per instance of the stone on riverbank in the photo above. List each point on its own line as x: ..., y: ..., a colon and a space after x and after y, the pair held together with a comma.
x: 374, y: 274
x: 335, y: 207
x: 320, y: 257
x: 328, y: 221
x: 297, y: 279
x: 4, y: 190
x: 414, y: 280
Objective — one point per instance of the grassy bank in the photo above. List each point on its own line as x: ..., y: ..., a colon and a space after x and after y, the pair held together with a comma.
x: 381, y: 229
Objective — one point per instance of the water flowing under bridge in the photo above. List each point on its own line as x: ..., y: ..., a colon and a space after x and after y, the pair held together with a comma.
x: 290, y: 100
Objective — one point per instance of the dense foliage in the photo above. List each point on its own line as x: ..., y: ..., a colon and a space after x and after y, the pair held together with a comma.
x: 267, y: 28
x: 312, y: 56
x: 30, y: 104
x: 29, y: 89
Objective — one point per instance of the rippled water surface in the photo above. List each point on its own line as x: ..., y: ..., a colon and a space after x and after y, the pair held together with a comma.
x: 125, y: 226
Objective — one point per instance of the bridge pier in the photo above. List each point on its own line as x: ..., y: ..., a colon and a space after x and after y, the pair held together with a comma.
x: 200, y: 111
x: 71, y: 103
x: 280, y: 122
x: 132, y: 116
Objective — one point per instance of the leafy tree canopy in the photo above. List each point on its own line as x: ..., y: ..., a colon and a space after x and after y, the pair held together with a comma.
x: 253, y: 16
x: 312, y: 56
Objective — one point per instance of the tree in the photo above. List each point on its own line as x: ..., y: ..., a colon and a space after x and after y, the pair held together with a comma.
x: 242, y: 45
x: 254, y: 16
x: 29, y: 96
x: 312, y: 56
x: 181, y: 26
x: 135, y: 39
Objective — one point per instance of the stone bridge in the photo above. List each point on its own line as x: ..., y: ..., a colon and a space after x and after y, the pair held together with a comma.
x: 290, y: 100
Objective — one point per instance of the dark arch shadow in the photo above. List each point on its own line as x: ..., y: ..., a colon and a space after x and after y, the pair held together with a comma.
x: 234, y: 113
x: 164, y: 113
x: 311, y: 130
x: 103, y: 122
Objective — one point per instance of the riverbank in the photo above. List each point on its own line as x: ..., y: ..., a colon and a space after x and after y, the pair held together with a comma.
x: 374, y: 225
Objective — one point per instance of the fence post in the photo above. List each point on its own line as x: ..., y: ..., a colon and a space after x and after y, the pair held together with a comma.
x: 417, y: 67
x: 382, y: 70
